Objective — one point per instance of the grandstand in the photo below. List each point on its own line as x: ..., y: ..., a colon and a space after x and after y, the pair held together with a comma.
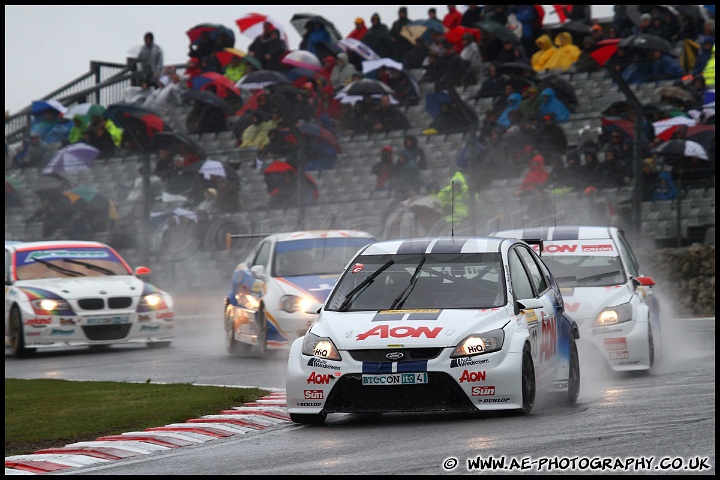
x: 346, y: 195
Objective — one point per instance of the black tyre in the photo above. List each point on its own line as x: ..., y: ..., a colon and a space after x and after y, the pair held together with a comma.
x: 261, y: 347
x: 164, y: 344
x: 574, y: 374
x: 651, y: 345
x: 17, y: 336
x: 528, y: 382
x: 308, y: 418
x: 232, y: 346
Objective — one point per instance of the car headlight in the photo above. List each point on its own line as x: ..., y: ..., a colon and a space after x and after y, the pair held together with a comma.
x: 479, y: 344
x: 50, y: 305
x: 322, y: 347
x: 614, y: 315
x: 293, y: 303
x: 151, y: 302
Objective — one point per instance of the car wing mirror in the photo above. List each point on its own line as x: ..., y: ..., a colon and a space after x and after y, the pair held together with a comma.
x: 142, y: 271
x: 314, y: 308
x: 643, y: 281
x: 258, y: 271
x: 530, y: 303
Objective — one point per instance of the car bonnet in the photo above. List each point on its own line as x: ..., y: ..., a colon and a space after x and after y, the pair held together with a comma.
x: 70, y: 288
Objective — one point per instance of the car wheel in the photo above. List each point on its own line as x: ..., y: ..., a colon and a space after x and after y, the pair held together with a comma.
x: 159, y: 344
x: 528, y: 382
x: 232, y: 346
x: 308, y: 418
x: 261, y: 347
x: 574, y: 374
x: 17, y: 336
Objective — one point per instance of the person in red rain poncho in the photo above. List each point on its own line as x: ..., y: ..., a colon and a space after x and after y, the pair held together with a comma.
x: 532, y: 187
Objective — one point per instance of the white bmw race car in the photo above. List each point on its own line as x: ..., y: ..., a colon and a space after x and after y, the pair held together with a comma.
x: 285, y: 272
x: 77, y: 293
x: 604, y: 290
x: 443, y: 324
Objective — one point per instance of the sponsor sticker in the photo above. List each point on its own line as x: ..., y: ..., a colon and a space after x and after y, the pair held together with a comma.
x: 108, y: 320
x: 396, y: 379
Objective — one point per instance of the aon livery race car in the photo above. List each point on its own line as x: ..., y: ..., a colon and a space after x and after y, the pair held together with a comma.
x: 75, y: 293
x: 285, y: 272
x: 443, y: 324
x: 604, y: 290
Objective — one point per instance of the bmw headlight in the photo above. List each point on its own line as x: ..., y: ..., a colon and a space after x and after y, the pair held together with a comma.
x: 151, y: 302
x: 293, y: 303
x: 321, y: 347
x: 614, y: 315
x: 479, y: 344
x: 51, y: 305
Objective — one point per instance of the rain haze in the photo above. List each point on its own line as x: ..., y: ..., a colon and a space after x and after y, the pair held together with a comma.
x: 47, y: 46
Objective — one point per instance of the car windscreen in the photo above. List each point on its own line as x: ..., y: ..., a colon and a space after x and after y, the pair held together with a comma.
x: 68, y: 263
x: 585, y: 270
x: 420, y: 281
x: 315, y: 256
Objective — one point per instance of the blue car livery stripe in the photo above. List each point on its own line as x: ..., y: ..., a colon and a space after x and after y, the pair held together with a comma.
x: 448, y: 246
x: 413, y: 246
x: 373, y: 368
x: 399, y: 315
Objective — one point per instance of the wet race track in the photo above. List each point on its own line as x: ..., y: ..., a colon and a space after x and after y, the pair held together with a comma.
x: 622, y: 424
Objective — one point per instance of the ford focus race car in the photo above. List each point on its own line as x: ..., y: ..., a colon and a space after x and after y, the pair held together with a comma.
x: 284, y: 273
x: 604, y: 290
x: 445, y: 324
x: 76, y: 293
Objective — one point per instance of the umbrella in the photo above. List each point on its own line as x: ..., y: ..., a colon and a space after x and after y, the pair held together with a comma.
x: 665, y: 128
x: 702, y: 133
x: 213, y: 29
x: 367, y: 86
x: 99, y: 207
x: 434, y: 101
x: 72, y: 158
x: 213, y: 81
x: 346, y: 99
x: 517, y: 68
x: 321, y: 133
x: 251, y: 25
x: 454, y: 35
x: 677, y: 93
x: 208, y: 98
x: 372, y: 65
x: 180, y: 143
x: 431, y: 26
x: 497, y: 29
x: 647, y: 42
x: 140, y: 123
x: 87, y: 110
x: 39, y: 106
x: 571, y: 26
x: 261, y: 79
x: 214, y: 168
x: 604, y: 50
x: 302, y: 59
x: 225, y: 55
x: 413, y: 32
x: 635, y: 11
x: 300, y: 21
x: 682, y: 148
x: 697, y: 12
x: 563, y: 88
x: 351, y: 45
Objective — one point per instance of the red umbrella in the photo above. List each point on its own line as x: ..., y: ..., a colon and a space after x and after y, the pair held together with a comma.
x: 213, y: 29
x: 251, y: 25
x: 454, y: 36
x: 604, y: 50
x: 220, y: 84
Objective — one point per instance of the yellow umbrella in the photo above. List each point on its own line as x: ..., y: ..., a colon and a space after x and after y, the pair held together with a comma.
x: 236, y: 51
x: 413, y: 32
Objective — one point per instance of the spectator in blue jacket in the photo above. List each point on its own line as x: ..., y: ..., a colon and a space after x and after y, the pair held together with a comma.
x: 316, y: 39
x: 665, y: 188
x: 513, y: 103
x: 550, y: 104
x: 655, y: 66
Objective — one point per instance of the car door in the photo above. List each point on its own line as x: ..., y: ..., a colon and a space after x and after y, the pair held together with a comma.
x: 530, y: 280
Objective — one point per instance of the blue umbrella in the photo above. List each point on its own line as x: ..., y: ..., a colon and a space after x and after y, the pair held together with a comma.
x: 434, y: 101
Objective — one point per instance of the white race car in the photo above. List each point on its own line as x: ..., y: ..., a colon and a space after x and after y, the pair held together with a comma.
x: 77, y: 293
x: 284, y: 273
x: 443, y: 324
x: 604, y: 290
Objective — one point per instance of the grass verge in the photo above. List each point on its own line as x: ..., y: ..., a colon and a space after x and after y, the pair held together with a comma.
x: 49, y: 413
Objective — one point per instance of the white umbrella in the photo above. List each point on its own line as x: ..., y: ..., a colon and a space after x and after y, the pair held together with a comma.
x: 212, y: 168
x: 662, y: 125
x: 73, y: 158
x: 370, y: 65
x: 682, y: 147
x: 351, y: 45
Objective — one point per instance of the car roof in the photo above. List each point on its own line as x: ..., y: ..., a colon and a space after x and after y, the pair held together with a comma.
x: 562, y: 232
x: 435, y: 245
x: 309, y: 234
x: 52, y: 244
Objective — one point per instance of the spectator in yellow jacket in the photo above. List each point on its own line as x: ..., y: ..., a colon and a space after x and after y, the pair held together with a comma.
x: 546, y: 50
x: 709, y: 70
x: 566, y: 54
